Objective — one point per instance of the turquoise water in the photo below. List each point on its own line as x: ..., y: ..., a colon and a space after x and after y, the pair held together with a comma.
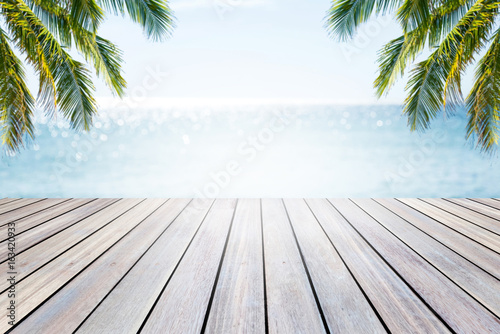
x: 253, y: 151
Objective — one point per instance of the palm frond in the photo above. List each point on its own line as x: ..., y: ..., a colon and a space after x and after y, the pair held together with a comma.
x: 396, y: 55
x: 16, y: 101
x: 19, y: 25
x: 87, y: 13
x: 54, y: 16
x: 414, y: 13
x: 103, y: 54
x: 445, y: 17
x: 105, y: 57
x: 45, y: 31
x: 483, y: 101
x: 74, y: 92
x: 437, y: 80
x: 154, y: 16
x: 394, y: 58
x: 345, y: 16
x: 73, y: 86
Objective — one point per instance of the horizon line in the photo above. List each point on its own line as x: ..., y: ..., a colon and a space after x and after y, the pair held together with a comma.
x: 155, y: 102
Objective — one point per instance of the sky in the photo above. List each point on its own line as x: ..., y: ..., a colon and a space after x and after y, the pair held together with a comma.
x: 251, y: 50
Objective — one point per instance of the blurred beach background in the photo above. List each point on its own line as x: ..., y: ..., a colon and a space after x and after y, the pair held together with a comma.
x: 251, y: 151
x: 305, y: 122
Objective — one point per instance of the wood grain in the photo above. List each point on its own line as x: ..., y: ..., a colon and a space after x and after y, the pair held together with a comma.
x: 401, y: 310
x: 29, y: 210
x: 478, y: 219
x: 16, y: 205
x: 7, y: 200
x: 290, y: 301
x: 238, y: 304
x: 44, y: 282
x: 66, y: 310
x: 182, y: 306
x: 475, y: 252
x: 472, y: 231
x: 226, y: 266
x: 61, y: 242
x: 464, y: 315
x: 492, y: 202
x: 480, y: 205
x: 346, y: 309
x: 114, y: 315
x: 479, y: 284
x: 41, y: 217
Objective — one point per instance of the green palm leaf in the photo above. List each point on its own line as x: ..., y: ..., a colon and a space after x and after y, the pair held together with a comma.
x: 16, y: 102
x: 437, y: 80
x: 154, y: 15
x: 455, y: 31
x: 483, y: 101
x: 345, y: 16
x: 44, y: 31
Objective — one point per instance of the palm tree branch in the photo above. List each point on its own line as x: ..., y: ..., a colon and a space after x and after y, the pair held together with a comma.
x: 154, y: 16
x: 16, y: 101
x: 72, y: 80
x: 395, y: 56
x: 438, y: 78
x: 345, y: 16
x: 87, y: 13
x: 413, y: 14
x: 26, y: 38
x: 483, y: 101
x: 105, y: 57
x: 54, y: 16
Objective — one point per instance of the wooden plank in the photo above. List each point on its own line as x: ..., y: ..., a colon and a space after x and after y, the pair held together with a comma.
x: 35, y: 257
x: 41, y: 217
x: 478, y: 207
x: 493, y: 202
x: 43, y: 232
x: 459, y: 310
x: 489, y: 202
x: 475, y: 218
x: 40, y: 285
x: 126, y: 307
x: 238, y: 303
x: 16, y: 205
x: 401, y: 310
x: 475, y: 252
x: 7, y: 200
x: 472, y: 231
x: 291, y: 304
x: 182, y: 306
x: 29, y: 210
x: 69, y: 307
x: 346, y: 309
x: 478, y: 283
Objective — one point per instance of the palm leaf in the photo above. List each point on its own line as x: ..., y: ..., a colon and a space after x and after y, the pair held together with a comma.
x: 105, y: 57
x: 16, y: 102
x: 345, y: 16
x: 483, y: 101
x: 437, y: 80
x: 73, y: 86
x: 396, y: 55
x: 87, y: 13
x: 153, y: 15
x: 19, y: 25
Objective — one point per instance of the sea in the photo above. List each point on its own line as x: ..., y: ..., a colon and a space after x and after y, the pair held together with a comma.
x: 251, y: 151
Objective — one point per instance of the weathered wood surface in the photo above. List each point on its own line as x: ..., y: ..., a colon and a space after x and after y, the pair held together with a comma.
x: 7, y: 200
x: 252, y: 266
